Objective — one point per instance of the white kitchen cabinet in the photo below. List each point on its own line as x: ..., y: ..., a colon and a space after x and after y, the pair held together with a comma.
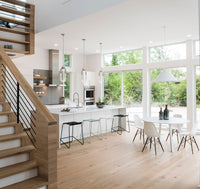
x: 90, y: 79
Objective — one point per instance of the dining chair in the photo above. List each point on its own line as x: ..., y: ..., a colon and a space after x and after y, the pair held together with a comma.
x: 176, y: 128
x: 152, y: 135
x: 139, y: 124
x: 189, y: 136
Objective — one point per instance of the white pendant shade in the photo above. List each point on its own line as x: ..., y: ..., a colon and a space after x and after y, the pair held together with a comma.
x: 165, y: 76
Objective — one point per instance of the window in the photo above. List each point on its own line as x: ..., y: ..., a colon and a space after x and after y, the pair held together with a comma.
x: 198, y: 96
x: 112, y: 88
x: 67, y: 63
x: 173, y: 94
x: 67, y: 60
x: 123, y: 58
x: 168, y: 52
x: 133, y: 93
x: 67, y: 86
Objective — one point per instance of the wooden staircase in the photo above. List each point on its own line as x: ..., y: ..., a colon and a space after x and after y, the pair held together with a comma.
x: 28, y: 133
x: 21, y: 36
x: 14, y: 168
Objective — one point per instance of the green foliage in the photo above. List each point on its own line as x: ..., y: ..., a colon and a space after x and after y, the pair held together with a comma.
x: 67, y: 86
x: 66, y: 60
x: 128, y: 57
x: 112, y: 88
x: 198, y: 90
x: 132, y: 87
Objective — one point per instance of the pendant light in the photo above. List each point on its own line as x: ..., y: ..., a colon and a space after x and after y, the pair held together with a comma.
x: 165, y: 76
x: 83, y: 71
x: 63, y: 71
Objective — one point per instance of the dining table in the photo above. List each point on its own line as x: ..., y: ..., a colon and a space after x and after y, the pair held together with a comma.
x: 172, y: 122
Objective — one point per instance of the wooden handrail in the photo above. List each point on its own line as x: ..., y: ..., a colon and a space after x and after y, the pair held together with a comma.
x: 4, y: 59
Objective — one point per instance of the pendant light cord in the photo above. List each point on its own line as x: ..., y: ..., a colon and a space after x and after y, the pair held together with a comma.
x: 84, y: 53
x: 63, y: 35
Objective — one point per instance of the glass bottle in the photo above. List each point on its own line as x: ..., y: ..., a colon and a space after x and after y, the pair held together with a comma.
x: 166, y: 113
x: 160, y: 114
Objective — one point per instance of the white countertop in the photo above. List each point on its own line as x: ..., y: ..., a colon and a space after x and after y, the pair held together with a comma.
x: 56, y: 109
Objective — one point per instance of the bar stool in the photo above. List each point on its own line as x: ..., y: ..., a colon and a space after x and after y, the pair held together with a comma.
x: 106, y: 122
x: 119, y: 127
x: 91, y: 121
x: 71, y: 137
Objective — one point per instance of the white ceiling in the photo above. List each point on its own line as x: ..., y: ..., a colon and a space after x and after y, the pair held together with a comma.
x: 128, y: 25
x: 51, y: 13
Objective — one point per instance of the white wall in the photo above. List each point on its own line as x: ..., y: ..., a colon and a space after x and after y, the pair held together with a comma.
x: 26, y: 64
x: 76, y: 84
x: 93, y: 64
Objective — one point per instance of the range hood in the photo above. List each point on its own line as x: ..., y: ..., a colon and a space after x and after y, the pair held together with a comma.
x: 54, y: 77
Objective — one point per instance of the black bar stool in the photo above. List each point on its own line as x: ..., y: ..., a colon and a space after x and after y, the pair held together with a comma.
x: 119, y: 127
x: 71, y: 137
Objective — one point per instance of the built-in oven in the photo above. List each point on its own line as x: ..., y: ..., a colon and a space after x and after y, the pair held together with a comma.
x: 89, y: 102
x: 89, y: 95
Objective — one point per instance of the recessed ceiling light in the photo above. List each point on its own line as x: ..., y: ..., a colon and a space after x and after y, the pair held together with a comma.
x: 55, y: 44
x: 121, y: 47
x: 76, y: 48
x: 188, y: 35
x: 150, y: 42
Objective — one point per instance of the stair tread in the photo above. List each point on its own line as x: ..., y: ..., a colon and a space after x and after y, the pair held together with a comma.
x: 5, y: 113
x: 8, y: 124
x: 14, y: 151
x: 33, y: 183
x: 12, y: 136
x: 17, y: 168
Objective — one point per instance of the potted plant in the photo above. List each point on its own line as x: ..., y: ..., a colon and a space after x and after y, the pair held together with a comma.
x: 100, y: 104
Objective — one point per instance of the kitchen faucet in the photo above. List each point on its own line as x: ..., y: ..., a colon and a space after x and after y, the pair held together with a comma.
x: 76, y: 98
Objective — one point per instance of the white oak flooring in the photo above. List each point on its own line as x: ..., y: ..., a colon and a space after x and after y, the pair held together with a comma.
x: 117, y: 163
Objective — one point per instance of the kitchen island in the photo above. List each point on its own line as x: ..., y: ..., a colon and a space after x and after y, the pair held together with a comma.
x: 83, y: 113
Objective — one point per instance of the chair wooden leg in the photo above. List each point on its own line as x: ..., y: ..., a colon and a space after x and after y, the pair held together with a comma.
x: 143, y: 135
x: 140, y: 134
x: 135, y: 135
x: 185, y: 141
x: 145, y: 144
x: 177, y: 136
x: 196, y: 143
x: 167, y: 137
x: 160, y: 144
x: 150, y: 142
x: 180, y: 143
x: 191, y: 144
x: 155, y: 145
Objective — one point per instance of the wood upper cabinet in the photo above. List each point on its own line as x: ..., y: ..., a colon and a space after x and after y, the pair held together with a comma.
x: 17, y: 27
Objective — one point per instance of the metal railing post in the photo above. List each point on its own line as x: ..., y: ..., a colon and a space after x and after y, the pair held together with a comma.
x: 18, y: 102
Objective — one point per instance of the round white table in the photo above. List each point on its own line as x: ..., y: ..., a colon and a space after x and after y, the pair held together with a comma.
x: 172, y: 121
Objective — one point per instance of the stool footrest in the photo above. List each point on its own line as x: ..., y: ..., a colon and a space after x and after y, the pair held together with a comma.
x: 70, y: 137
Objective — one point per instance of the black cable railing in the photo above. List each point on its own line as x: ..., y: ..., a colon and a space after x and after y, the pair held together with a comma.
x: 19, y: 103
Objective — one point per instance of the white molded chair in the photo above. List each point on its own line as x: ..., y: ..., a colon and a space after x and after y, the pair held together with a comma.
x: 176, y: 128
x: 188, y: 136
x: 139, y: 124
x: 152, y: 135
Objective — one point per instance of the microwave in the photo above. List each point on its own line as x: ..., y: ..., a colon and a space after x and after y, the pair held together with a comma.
x: 89, y: 93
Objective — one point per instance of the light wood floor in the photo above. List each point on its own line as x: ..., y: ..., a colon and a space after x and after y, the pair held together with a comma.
x: 118, y: 163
